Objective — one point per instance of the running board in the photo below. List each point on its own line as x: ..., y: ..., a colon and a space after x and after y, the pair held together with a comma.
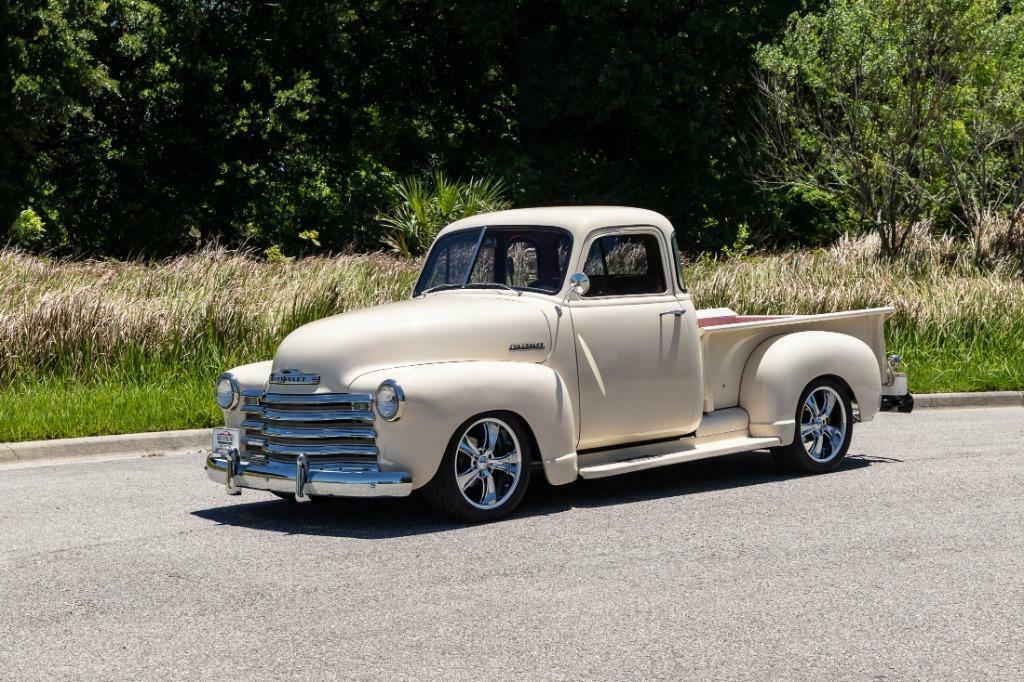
x: 662, y: 454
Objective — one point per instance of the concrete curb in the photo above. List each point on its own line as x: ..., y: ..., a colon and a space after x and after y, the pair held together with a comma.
x: 985, y: 399
x: 198, y: 439
x: 160, y: 441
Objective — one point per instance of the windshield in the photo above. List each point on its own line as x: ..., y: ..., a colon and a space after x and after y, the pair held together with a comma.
x: 522, y: 258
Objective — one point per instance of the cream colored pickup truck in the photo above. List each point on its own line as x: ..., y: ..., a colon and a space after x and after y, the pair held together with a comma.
x: 553, y: 341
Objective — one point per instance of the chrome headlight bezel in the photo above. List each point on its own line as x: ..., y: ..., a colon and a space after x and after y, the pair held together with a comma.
x: 391, y: 387
x: 232, y: 385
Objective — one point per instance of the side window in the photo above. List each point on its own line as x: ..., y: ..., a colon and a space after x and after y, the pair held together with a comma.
x: 625, y: 264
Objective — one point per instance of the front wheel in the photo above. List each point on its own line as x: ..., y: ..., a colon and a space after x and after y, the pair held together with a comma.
x: 485, y: 471
x: 824, y: 429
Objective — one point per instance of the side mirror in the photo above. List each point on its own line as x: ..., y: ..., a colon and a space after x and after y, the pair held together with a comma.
x: 579, y: 284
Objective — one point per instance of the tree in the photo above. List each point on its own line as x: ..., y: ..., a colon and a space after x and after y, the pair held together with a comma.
x: 637, y: 103
x: 152, y: 126
x: 982, y: 145
x: 860, y: 101
x: 14, y: 161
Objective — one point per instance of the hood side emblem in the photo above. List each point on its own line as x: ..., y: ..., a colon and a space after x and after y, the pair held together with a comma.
x: 294, y: 376
x: 526, y: 346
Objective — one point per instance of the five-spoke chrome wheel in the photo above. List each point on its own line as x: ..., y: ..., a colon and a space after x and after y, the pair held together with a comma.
x: 486, y: 469
x: 823, y: 424
x: 823, y: 428
x: 488, y: 463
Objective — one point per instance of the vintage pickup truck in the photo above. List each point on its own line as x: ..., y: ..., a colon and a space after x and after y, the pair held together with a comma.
x: 556, y: 340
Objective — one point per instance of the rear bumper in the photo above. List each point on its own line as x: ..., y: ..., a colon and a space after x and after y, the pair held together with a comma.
x: 304, y: 479
x: 898, y: 403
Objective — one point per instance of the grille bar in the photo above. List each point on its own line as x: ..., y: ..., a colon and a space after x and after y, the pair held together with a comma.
x: 325, y: 427
x: 270, y: 415
x: 319, y: 399
x: 364, y: 432
x: 314, y: 450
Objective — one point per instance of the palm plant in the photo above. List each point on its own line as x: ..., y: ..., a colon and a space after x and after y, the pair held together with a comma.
x: 423, y: 209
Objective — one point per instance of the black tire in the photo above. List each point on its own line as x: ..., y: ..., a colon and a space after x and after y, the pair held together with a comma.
x: 444, y: 494
x: 797, y: 456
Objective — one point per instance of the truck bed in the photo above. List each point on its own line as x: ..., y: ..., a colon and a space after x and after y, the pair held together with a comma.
x: 728, y: 338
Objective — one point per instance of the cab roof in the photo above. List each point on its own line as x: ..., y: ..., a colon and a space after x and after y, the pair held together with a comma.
x: 580, y: 220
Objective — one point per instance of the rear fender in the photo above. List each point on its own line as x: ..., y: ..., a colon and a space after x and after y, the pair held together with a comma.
x: 439, y: 397
x: 779, y: 369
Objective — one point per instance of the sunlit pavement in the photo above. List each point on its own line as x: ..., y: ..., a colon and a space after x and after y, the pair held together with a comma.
x: 908, y: 562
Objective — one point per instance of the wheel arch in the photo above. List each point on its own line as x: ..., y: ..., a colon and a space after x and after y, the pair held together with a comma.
x: 845, y: 385
x: 442, y: 396
x: 530, y: 435
x: 781, y: 367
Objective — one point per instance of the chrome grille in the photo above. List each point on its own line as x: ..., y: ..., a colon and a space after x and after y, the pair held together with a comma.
x: 326, y: 427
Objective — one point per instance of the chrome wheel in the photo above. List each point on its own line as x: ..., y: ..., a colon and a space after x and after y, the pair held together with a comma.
x: 488, y: 463
x: 823, y: 424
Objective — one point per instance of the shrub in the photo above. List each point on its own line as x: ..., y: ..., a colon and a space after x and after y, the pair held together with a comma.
x: 424, y: 209
x: 28, y: 229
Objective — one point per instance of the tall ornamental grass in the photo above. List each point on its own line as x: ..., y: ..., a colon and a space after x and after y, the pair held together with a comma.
x: 81, y: 320
x: 958, y: 327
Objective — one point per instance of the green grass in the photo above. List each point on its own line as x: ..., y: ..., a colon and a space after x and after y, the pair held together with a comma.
x: 54, y: 408
x: 993, y: 362
x: 91, y: 348
x: 177, y: 399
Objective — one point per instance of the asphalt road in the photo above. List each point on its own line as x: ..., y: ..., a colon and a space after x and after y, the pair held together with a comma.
x: 907, y: 563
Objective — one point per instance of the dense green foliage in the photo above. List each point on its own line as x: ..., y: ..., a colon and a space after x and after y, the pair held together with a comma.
x: 904, y: 111
x: 155, y: 126
x: 135, y: 126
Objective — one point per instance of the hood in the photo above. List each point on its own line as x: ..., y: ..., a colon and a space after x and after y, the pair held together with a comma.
x: 442, y: 327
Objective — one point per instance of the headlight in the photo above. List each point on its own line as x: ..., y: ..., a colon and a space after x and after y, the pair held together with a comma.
x: 227, y: 391
x: 390, y: 401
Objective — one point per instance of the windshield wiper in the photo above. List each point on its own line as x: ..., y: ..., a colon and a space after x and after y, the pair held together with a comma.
x: 471, y: 285
x: 492, y: 285
x: 440, y: 287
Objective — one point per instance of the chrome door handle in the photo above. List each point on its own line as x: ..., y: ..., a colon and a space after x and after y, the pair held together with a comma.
x: 676, y: 313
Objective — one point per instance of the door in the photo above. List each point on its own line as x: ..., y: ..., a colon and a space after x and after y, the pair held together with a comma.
x: 637, y: 356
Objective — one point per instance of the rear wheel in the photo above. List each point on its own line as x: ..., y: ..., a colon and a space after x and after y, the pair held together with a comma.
x: 485, y: 471
x: 824, y: 429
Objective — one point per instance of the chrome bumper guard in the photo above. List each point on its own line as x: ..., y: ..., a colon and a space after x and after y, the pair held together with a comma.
x: 304, y: 479
x: 896, y: 396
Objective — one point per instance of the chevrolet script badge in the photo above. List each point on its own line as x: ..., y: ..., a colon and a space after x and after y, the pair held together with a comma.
x: 294, y: 376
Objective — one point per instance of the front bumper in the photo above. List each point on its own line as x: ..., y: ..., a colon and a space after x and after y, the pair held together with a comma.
x: 305, y: 479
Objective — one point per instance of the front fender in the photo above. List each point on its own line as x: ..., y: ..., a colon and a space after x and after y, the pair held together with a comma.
x: 251, y: 376
x: 439, y: 397
x: 780, y: 368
